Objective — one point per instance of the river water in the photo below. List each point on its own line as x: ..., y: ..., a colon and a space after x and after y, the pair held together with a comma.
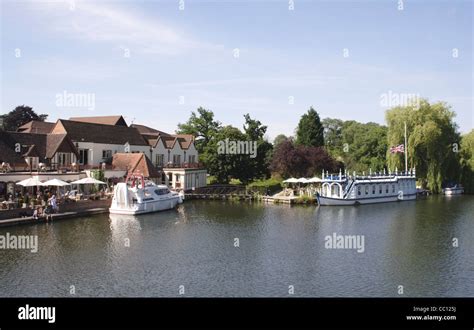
x: 280, y: 248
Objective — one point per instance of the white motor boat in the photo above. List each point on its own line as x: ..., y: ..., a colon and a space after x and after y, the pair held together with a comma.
x: 138, y: 196
x: 455, y: 190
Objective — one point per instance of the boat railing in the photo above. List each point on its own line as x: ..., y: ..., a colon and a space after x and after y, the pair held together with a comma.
x: 373, y: 176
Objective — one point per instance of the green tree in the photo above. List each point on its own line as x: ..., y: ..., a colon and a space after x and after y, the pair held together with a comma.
x: 21, y: 115
x: 310, y: 131
x: 467, y: 162
x: 255, y: 132
x: 359, y: 146
x: 202, y: 125
x: 226, y: 166
x: 279, y: 139
x: 433, y: 142
x: 333, y: 139
x: 364, y: 146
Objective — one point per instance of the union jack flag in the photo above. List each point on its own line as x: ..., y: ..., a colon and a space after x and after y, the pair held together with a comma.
x: 397, y: 149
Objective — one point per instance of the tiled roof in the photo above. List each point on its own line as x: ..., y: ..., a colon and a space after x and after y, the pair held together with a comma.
x: 59, y: 143
x: 36, y: 126
x: 135, y: 163
x: 7, y: 150
x: 42, y: 145
x: 99, y: 133
x: 152, y: 136
x: 26, y: 140
x: 185, y: 140
x: 104, y: 120
x: 148, y: 130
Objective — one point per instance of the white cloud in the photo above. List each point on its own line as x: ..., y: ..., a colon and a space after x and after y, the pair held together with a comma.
x: 121, y: 26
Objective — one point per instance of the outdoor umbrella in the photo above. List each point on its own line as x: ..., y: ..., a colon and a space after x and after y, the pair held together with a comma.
x: 303, y: 180
x: 30, y: 182
x: 291, y: 180
x: 314, y: 180
x: 88, y: 181
x: 55, y: 183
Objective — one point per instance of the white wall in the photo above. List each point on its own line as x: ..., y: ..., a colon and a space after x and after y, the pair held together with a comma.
x: 95, y: 150
x: 176, y: 150
x: 192, y: 151
x: 189, y: 178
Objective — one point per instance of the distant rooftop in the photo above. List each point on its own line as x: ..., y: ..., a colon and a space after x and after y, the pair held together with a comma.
x: 99, y: 133
x: 152, y: 136
x: 36, y: 126
x: 105, y: 120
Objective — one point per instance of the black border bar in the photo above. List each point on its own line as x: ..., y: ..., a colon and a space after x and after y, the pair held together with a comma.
x: 289, y: 313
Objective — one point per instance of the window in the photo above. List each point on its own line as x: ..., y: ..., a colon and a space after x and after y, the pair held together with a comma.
x: 393, y: 188
x: 83, y: 156
x: 162, y: 191
x: 178, y: 177
x: 170, y: 178
x: 380, y: 189
x: 386, y: 189
x: 159, y: 159
x: 64, y: 158
x: 106, y: 154
x: 358, y: 190
x: 177, y: 159
x: 192, y: 158
x: 373, y: 189
x: 367, y: 189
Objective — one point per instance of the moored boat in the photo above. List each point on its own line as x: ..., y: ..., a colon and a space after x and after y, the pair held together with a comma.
x: 454, y: 190
x: 138, y: 196
x: 378, y: 188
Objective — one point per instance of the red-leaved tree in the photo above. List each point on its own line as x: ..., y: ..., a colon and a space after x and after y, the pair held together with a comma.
x: 291, y: 160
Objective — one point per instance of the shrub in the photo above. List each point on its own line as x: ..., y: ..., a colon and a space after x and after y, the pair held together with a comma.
x: 272, y: 186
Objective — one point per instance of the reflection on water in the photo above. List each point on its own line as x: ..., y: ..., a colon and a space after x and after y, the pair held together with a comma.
x: 407, y: 244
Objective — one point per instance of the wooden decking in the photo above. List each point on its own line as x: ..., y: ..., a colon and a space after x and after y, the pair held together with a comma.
x: 53, y: 217
x: 280, y: 199
x: 67, y: 211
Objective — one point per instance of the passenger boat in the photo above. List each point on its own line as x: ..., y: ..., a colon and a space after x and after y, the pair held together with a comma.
x: 137, y: 196
x: 455, y: 190
x: 378, y: 188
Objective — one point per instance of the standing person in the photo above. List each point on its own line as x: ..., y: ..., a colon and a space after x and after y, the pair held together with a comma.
x: 53, y: 203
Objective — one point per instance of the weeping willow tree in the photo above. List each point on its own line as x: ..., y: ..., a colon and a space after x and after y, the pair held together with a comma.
x: 433, y: 142
x: 467, y: 162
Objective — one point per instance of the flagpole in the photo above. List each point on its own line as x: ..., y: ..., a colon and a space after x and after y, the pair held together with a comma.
x: 406, y: 150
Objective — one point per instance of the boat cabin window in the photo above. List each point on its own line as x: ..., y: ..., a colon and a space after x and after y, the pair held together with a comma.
x: 380, y: 189
x: 367, y: 189
x: 358, y: 190
x: 373, y: 189
x: 162, y: 191
x: 393, y: 188
x: 386, y: 188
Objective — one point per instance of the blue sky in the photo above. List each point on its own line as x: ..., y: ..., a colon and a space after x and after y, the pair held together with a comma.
x: 189, y: 55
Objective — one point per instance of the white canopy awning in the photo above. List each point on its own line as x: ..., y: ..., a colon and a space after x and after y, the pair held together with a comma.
x: 291, y: 180
x: 302, y: 180
x: 314, y: 180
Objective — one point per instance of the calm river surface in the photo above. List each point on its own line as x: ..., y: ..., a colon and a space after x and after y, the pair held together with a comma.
x: 407, y: 244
